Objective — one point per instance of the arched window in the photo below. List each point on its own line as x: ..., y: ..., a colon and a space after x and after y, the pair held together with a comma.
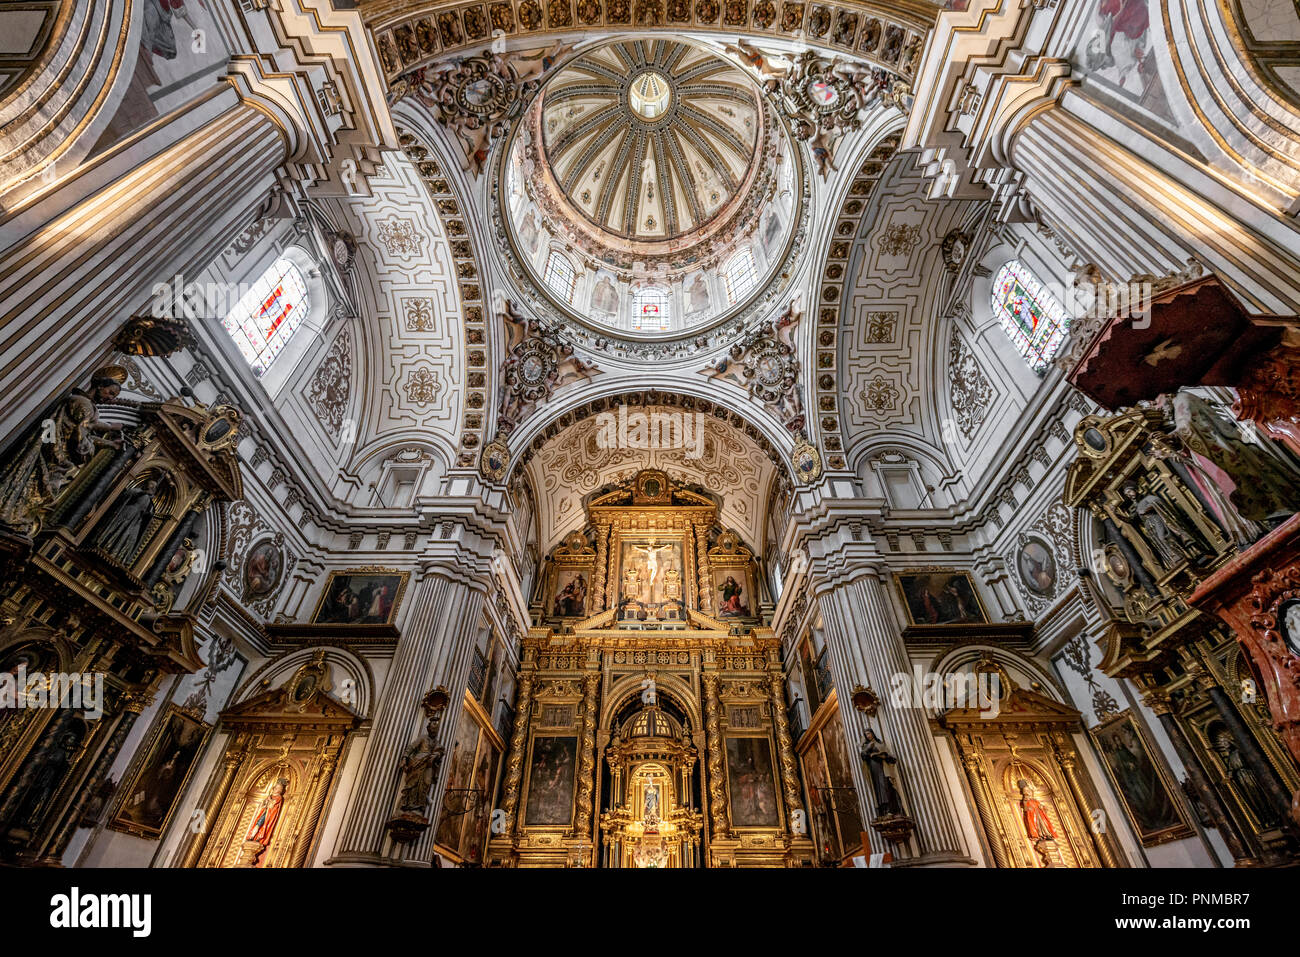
x: 740, y: 275
x: 1031, y: 316
x: 650, y: 310
x: 560, y: 276
x: 268, y: 314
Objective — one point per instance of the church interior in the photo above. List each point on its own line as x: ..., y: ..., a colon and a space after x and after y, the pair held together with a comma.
x: 650, y: 434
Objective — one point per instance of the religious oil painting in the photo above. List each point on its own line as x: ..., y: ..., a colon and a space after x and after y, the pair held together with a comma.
x: 570, y: 595
x: 460, y: 766
x: 1142, y: 785
x: 360, y: 598
x: 1037, y: 567
x: 940, y: 598
x: 751, y: 781
x: 550, y: 781
x: 732, y: 592
x: 263, y: 570
x: 155, y: 785
x: 651, y: 571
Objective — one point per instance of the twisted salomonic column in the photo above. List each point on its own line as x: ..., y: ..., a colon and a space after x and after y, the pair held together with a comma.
x: 980, y: 788
x: 785, y: 747
x: 587, y: 766
x: 717, y: 798
x: 598, y: 578
x: 518, y: 741
x: 231, y: 762
x: 1066, y: 758
x: 866, y: 648
x: 320, y: 789
x: 702, y: 569
x: 434, y: 649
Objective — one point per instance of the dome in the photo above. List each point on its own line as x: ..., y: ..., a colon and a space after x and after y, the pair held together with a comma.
x: 650, y: 191
x: 650, y: 139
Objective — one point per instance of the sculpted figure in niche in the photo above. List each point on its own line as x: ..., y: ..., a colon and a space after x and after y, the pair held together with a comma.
x: 49, y: 456
x: 697, y: 294
x: 419, y: 767
x: 122, y: 533
x: 1037, y: 824
x: 1161, y: 528
x: 605, y: 297
x: 878, y: 758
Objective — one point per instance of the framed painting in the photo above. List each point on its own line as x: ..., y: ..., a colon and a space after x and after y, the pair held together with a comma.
x: 569, y: 588
x: 156, y: 783
x: 732, y: 591
x: 263, y: 569
x: 551, y: 770
x: 1144, y: 786
x: 751, y: 782
x: 1037, y: 566
x: 940, y: 597
x: 365, y: 596
x: 460, y: 766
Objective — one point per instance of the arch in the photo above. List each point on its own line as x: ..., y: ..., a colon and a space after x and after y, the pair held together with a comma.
x: 625, y: 688
x: 276, y: 671
x: 549, y: 418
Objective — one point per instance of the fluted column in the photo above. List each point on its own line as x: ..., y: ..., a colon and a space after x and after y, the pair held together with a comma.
x: 434, y: 649
x: 717, y: 796
x: 865, y: 647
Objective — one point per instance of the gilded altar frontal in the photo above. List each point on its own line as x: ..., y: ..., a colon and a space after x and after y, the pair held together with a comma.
x: 685, y: 435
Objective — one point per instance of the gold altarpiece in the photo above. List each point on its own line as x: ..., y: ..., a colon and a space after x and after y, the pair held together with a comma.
x: 648, y: 732
x: 263, y: 804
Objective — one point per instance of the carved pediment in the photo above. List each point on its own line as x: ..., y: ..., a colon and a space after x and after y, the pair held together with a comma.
x: 205, y: 438
x: 303, y: 702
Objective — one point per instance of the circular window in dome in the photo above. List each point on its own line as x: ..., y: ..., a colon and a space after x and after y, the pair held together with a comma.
x: 656, y: 167
x: 649, y: 95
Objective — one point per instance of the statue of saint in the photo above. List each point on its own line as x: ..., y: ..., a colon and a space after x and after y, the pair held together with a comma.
x: 419, y: 767
x: 49, y: 456
x: 1243, y: 778
x: 122, y: 533
x: 1161, y: 528
x: 267, y: 814
x: 1037, y: 824
x: 877, y: 758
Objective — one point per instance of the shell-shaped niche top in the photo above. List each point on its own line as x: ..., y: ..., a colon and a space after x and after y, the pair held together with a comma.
x: 650, y: 139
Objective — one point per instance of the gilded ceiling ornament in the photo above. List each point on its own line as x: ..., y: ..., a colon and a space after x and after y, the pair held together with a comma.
x: 537, y: 363
x: 477, y: 97
x: 494, y: 460
x: 807, y: 462
x: 766, y: 365
x: 823, y: 98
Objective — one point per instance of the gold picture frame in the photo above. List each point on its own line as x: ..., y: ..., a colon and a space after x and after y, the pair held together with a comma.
x: 370, y: 576
x: 1153, y: 823
x: 150, y: 778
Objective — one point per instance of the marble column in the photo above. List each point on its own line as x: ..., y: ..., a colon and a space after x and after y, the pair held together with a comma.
x: 435, y: 649
x: 865, y: 647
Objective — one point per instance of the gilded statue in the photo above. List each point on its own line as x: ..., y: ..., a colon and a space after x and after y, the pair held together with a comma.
x: 50, y: 454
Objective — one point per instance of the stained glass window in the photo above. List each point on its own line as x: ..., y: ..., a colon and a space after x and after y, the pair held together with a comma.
x: 740, y: 275
x: 1033, y: 319
x: 650, y: 310
x: 560, y: 276
x: 266, y: 317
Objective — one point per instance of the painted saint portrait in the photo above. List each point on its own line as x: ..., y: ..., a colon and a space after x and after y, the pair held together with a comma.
x: 752, y: 783
x: 1037, y: 566
x: 570, y: 598
x: 732, y: 593
x: 149, y: 798
x: 941, y: 598
x: 360, y: 599
x: 1138, y: 780
x: 550, y: 781
x: 262, y: 570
